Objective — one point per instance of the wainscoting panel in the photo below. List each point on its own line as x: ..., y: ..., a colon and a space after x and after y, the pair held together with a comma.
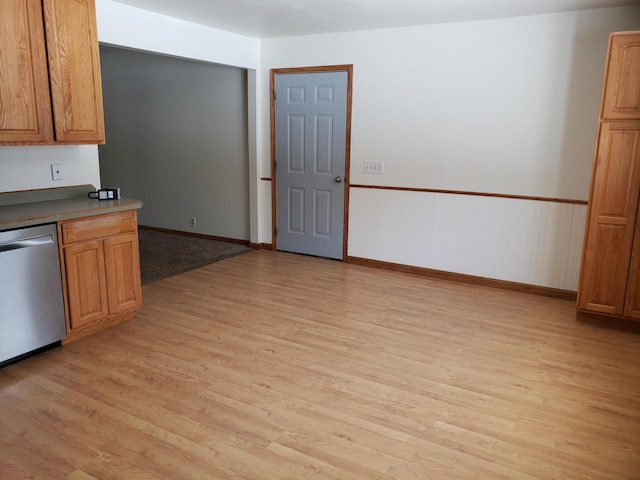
x: 526, y: 241
x: 574, y: 257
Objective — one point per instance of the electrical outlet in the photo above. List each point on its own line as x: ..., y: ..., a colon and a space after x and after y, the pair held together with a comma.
x: 374, y: 167
x: 192, y: 222
x: 56, y: 171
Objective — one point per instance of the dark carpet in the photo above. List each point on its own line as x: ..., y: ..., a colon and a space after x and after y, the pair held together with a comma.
x: 166, y: 254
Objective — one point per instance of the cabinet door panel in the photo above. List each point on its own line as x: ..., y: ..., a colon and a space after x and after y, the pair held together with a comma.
x: 74, y: 66
x: 86, y: 288
x: 622, y: 85
x: 25, y: 106
x: 122, y: 264
x: 611, y: 219
x: 632, y: 302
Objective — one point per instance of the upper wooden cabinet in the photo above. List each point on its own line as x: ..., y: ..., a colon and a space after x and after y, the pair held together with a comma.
x: 25, y: 101
x: 50, y: 83
x: 74, y: 70
x: 621, y: 92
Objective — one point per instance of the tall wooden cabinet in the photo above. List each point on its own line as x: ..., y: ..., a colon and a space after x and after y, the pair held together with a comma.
x: 610, y: 273
x: 50, y: 83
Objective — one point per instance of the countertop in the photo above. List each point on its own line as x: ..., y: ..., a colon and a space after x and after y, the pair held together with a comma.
x: 36, y: 207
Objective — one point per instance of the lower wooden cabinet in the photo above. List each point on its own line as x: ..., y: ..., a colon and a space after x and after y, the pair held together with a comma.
x: 101, y: 266
x: 611, y: 241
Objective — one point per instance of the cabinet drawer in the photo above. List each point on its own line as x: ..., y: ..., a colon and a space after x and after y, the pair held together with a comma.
x: 100, y: 226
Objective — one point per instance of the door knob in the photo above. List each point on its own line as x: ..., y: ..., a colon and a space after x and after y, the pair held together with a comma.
x: 338, y: 179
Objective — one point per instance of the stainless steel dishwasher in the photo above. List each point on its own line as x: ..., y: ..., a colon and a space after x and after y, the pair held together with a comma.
x: 31, y: 303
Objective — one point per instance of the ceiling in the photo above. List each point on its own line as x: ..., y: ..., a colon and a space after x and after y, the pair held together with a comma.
x: 285, y: 18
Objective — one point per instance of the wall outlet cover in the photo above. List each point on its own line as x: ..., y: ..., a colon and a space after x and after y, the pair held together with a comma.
x: 56, y: 171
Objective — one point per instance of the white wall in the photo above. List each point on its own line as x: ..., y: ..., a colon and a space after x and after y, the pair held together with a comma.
x: 127, y: 26
x: 29, y: 168
x: 500, y: 106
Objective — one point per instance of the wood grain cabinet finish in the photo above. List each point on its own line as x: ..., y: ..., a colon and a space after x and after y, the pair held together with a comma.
x: 86, y: 285
x: 122, y: 268
x: 611, y: 255
x: 25, y: 105
x: 621, y: 99
x: 50, y: 82
x: 612, y: 219
x: 101, y: 265
x: 632, y: 300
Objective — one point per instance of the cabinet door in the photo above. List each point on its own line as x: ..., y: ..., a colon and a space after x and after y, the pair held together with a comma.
x: 614, y: 201
x: 122, y: 264
x: 86, y: 285
x: 25, y: 106
x: 622, y: 81
x: 74, y: 69
x: 632, y: 301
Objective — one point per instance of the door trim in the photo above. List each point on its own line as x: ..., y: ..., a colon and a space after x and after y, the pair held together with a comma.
x: 347, y: 160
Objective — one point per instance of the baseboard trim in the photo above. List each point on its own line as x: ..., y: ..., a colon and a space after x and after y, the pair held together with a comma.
x: 625, y: 324
x: 196, y: 235
x: 261, y: 246
x: 463, y: 278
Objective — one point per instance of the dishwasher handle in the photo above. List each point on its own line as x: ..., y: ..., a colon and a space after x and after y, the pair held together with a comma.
x: 26, y: 243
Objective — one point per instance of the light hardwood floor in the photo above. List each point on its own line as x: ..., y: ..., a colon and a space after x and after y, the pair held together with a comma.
x: 278, y: 366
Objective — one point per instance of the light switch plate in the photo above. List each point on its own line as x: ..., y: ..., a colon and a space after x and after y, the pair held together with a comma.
x: 374, y: 167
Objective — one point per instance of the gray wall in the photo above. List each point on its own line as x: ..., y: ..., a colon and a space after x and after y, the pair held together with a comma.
x: 177, y: 139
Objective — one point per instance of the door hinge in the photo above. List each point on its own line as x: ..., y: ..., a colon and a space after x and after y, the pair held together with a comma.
x: 274, y: 95
x: 275, y: 231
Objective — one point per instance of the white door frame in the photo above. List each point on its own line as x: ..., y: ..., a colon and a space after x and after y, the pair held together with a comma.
x: 347, y: 161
